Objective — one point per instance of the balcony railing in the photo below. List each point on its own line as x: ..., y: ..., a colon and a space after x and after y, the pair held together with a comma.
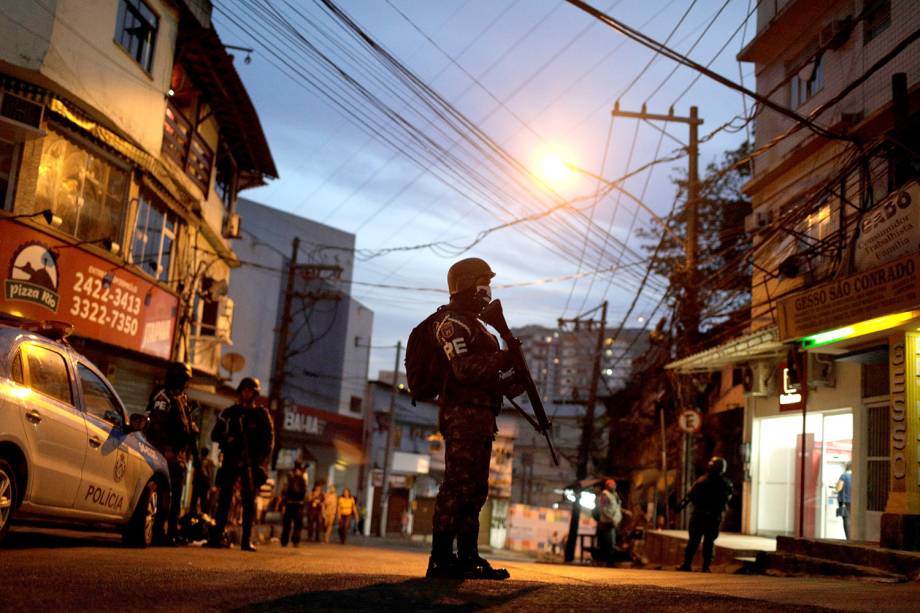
x: 184, y: 146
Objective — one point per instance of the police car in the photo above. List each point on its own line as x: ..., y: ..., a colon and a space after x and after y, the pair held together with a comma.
x: 68, y: 451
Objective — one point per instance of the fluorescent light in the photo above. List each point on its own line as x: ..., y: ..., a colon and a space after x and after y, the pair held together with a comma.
x: 859, y: 329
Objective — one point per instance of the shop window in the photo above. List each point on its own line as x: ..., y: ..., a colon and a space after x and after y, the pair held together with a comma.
x: 154, y: 235
x: 807, y: 82
x: 82, y: 188
x: 876, y: 18
x: 98, y: 398
x: 48, y: 373
x: 9, y: 156
x: 136, y: 31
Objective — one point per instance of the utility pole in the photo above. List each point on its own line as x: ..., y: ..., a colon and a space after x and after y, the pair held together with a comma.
x: 281, y: 348
x: 688, y: 307
x: 587, y: 431
x: 391, y: 435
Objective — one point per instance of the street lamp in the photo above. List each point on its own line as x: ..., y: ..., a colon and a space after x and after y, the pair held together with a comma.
x: 48, y: 215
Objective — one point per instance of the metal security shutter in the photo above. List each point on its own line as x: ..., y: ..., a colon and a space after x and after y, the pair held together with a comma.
x: 877, y: 461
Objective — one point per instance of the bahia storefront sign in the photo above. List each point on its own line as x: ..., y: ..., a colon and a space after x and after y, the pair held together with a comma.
x: 47, y: 279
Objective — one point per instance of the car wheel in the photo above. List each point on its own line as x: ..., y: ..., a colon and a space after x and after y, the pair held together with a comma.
x: 141, y: 531
x: 8, y: 494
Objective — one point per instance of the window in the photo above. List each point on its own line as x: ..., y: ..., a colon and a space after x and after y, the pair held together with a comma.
x: 136, y: 31
x: 83, y: 189
x: 225, y: 185
x: 154, y: 234
x: 8, y: 158
x: 98, y: 398
x: 48, y: 373
x: 16, y: 368
x: 355, y: 404
x: 807, y: 82
x: 876, y: 18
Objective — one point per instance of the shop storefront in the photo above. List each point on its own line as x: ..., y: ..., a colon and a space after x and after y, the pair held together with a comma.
x: 863, y: 322
x: 121, y: 320
x: 329, y: 444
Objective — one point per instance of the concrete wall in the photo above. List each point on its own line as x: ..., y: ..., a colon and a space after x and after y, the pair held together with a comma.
x: 84, y: 58
x: 332, y: 369
x: 27, y: 30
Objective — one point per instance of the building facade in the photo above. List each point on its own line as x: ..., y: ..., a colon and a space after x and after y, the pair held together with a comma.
x: 827, y: 360
x: 125, y: 135
x: 327, y: 351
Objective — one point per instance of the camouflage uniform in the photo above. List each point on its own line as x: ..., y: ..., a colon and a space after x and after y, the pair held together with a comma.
x: 468, y: 405
x: 173, y: 432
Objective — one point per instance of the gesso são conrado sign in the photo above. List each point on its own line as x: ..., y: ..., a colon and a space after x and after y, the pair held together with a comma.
x: 886, y: 289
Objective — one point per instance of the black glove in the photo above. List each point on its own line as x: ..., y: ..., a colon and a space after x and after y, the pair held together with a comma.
x: 510, y: 384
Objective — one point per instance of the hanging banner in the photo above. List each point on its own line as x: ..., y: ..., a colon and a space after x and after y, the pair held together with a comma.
x: 891, y: 288
x: 47, y: 279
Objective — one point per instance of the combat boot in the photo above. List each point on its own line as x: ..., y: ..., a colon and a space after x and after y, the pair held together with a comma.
x: 472, y: 565
x: 443, y: 563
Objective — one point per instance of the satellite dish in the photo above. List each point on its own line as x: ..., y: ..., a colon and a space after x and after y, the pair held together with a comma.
x: 233, y: 362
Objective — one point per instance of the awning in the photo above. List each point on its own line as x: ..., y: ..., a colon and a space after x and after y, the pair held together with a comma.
x: 757, y: 345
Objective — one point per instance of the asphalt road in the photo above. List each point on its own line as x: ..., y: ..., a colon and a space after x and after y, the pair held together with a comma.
x: 51, y: 570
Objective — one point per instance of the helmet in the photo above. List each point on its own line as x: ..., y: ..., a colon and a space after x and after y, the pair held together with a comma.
x: 610, y: 484
x: 464, y: 274
x: 249, y: 383
x: 717, y: 465
x: 178, y: 374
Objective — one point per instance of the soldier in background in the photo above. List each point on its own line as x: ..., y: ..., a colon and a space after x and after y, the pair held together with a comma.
x: 173, y: 432
x: 480, y: 373
x: 245, y: 434
x: 709, y: 495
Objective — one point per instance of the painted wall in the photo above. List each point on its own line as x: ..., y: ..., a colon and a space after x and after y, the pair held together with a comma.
x: 26, y: 30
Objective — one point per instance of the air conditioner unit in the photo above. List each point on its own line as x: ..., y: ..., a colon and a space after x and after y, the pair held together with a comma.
x: 224, y: 326
x: 820, y: 370
x: 231, y: 225
x: 758, y: 220
x: 757, y: 379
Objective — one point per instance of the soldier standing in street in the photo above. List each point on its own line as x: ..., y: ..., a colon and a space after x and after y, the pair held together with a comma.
x: 245, y: 434
x: 293, y: 495
x: 471, y: 397
x: 173, y: 432
x: 709, y: 495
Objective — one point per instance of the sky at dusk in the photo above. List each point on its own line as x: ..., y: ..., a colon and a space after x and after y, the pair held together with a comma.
x: 530, y: 78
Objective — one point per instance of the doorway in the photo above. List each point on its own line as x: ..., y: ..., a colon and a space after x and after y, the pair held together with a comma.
x: 828, y: 445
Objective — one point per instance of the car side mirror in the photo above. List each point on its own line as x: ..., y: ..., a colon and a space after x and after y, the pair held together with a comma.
x: 137, y: 422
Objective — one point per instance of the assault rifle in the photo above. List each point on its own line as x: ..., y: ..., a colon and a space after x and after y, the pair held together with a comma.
x: 495, y: 317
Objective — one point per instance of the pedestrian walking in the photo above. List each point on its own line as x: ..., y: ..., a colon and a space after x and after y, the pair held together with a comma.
x: 843, y: 487
x: 709, y: 495
x: 330, y: 507
x: 346, y: 511
x: 173, y: 433
x: 478, y: 374
x: 245, y: 434
x: 315, y: 513
x: 293, y: 495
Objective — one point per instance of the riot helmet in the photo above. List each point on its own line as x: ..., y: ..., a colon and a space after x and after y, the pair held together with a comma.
x: 717, y: 466
x: 178, y: 375
x: 249, y: 383
x: 463, y: 275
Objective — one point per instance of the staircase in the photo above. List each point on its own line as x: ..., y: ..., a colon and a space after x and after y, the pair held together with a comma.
x: 801, y: 556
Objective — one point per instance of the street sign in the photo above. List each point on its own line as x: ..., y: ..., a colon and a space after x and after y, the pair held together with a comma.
x: 690, y: 420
